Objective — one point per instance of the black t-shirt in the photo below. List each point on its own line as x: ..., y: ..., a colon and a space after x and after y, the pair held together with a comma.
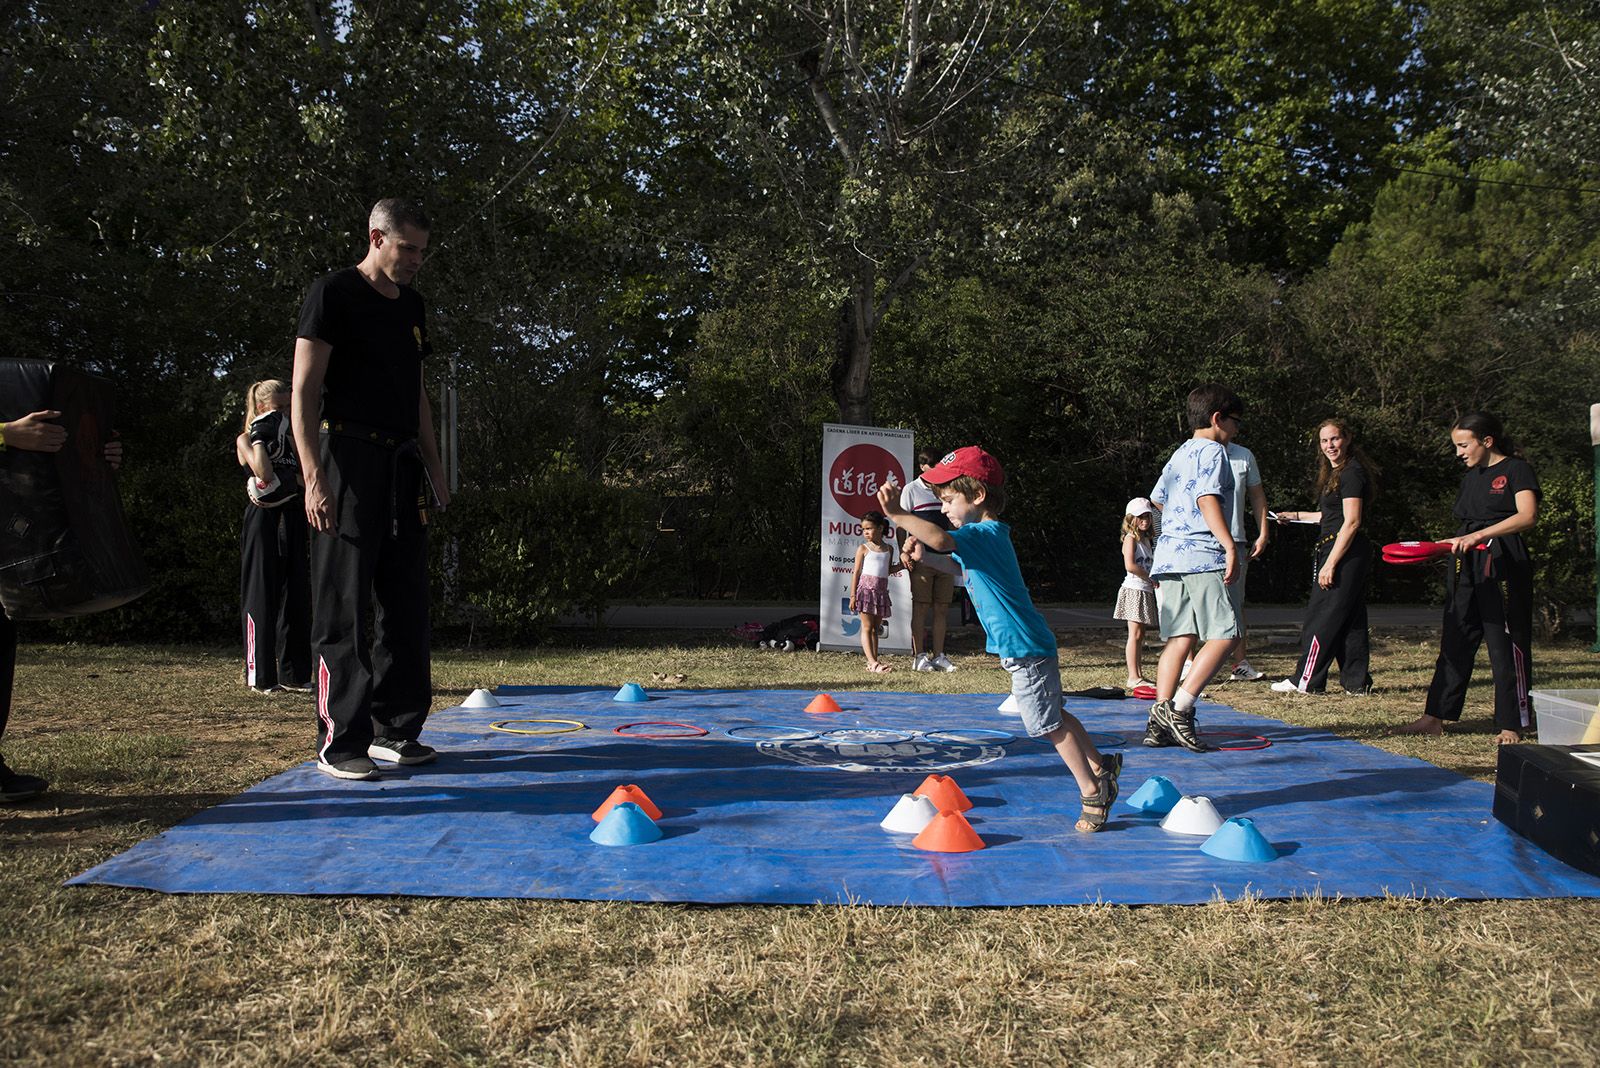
x: 274, y: 431
x: 375, y: 370
x: 1489, y: 494
x: 1352, y: 482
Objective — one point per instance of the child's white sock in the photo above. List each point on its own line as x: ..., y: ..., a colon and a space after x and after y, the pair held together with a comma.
x: 1183, y: 700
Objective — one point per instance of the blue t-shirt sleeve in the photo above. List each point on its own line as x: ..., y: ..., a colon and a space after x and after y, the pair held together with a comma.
x: 1210, y: 467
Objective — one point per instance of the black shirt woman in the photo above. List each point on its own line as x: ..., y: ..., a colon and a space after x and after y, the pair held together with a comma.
x: 1489, y: 597
x: 274, y: 557
x: 1335, y: 626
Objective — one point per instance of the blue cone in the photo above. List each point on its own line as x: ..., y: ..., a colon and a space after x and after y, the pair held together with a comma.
x: 1156, y: 796
x: 1238, y: 839
x: 626, y: 824
x: 631, y: 691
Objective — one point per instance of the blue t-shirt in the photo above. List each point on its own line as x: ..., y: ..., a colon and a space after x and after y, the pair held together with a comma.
x: 1199, y: 468
x: 994, y: 582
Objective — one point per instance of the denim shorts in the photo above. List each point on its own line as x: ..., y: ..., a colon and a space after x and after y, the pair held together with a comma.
x: 1036, y: 684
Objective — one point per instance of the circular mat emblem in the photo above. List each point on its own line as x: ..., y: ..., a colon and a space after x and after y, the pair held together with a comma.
x: 913, y: 754
x: 858, y: 472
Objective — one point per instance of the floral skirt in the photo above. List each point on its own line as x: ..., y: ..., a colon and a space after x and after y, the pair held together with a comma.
x: 872, y: 595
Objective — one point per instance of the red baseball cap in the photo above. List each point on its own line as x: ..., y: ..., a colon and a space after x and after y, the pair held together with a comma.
x: 968, y: 460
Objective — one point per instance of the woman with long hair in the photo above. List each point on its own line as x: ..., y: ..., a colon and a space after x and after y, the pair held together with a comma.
x: 1335, y: 626
x: 1490, y: 593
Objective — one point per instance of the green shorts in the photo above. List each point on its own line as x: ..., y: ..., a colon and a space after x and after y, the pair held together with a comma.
x: 1198, y: 603
x: 1236, y: 591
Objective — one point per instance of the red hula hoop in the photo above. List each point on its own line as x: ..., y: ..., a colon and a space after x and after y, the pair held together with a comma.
x: 1266, y: 743
x: 694, y: 732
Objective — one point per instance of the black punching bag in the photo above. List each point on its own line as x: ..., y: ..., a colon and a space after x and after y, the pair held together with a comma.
x: 64, y: 544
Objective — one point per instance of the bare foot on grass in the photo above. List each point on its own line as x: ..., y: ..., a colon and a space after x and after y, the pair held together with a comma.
x: 1507, y: 738
x: 878, y: 667
x: 1431, y: 726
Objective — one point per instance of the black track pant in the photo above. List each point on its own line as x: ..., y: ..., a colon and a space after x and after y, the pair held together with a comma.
x: 8, y: 666
x: 374, y: 566
x: 275, y: 595
x: 1335, y: 626
x: 1496, y: 611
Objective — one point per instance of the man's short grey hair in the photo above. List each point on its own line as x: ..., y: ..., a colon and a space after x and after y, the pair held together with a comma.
x: 391, y: 213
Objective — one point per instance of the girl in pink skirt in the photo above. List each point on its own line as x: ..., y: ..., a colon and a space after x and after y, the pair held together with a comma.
x: 869, y: 584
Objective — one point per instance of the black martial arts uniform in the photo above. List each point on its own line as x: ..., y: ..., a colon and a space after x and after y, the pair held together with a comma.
x: 1489, y: 598
x: 375, y: 684
x: 274, y: 568
x: 1335, y: 626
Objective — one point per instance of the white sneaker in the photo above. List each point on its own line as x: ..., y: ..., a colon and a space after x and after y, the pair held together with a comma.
x: 1245, y: 673
x: 923, y: 662
x: 1285, y: 686
x: 942, y: 663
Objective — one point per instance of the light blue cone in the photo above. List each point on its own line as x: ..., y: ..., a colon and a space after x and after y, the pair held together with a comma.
x: 631, y: 691
x: 626, y: 824
x: 1156, y: 796
x: 1238, y: 839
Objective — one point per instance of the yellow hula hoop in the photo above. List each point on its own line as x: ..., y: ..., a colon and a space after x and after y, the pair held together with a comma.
x: 572, y: 725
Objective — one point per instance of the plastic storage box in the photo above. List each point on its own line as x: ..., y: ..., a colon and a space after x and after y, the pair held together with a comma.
x: 1567, y: 717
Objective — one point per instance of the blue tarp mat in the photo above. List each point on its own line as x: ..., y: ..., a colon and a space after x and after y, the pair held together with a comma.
x: 745, y: 820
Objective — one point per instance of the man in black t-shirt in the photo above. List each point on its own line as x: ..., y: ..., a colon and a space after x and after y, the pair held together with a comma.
x: 364, y: 431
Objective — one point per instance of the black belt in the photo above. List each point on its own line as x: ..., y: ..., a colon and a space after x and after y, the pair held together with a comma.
x: 399, y: 448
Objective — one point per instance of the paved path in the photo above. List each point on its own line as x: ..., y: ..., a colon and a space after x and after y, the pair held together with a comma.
x: 712, y: 615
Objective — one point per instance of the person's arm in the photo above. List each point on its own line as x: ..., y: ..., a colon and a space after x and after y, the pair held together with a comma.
x: 1211, y: 511
x: 932, y: 535
x: 241, y: 448
x: 1341, y: 543
x: 1258, y: 505
x: 428, y: 445
x: 259, y: 464
x: 35, y: 432
x: 1130, y: 563
x: 310, y: 368
x: 1527, y: 515
x: 1300, y: 517
x: 855, y: 576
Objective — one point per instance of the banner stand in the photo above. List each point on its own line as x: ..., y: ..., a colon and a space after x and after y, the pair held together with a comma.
x: 856, y: 460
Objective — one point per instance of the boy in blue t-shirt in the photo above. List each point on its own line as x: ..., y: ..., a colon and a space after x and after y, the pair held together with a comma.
x: 969, y: 482
x: 1195, y: 563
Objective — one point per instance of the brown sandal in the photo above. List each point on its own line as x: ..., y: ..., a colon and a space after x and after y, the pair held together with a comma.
x: 1097, y: 808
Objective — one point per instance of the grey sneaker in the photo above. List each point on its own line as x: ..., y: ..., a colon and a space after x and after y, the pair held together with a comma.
x: 1156, y: 734
x: 1180, y: 725
x: 15, y: 786
x: 942, y: 663
x: 354, y: 768
x: 401, y: 751
x: 923, y: 662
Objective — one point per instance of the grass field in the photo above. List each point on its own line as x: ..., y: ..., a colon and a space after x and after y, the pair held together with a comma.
x: 136, y: 739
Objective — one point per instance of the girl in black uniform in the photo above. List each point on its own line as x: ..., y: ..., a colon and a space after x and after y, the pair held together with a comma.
x: 274, y: 571
x: 1490, y: 593
x: 1335, y: 626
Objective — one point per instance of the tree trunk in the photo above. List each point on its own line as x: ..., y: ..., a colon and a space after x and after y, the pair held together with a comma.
x: 852, y: 371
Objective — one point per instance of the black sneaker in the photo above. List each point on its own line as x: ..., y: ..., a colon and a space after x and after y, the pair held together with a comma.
x: 297, y: 687
x: 15, y: 786
x: 1181, y: 726
x: 401, y: 751
x: 355, y: 768
x: 1156, y: 734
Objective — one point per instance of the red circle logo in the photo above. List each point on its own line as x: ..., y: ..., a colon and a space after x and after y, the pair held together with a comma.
x: 858, y: 472
x: 1499, y: 484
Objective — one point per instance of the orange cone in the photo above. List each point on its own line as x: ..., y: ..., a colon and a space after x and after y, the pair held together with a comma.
x: 944, y: 792
x: 948, y: 833
x: 627, y: 793
x: 823, y: 703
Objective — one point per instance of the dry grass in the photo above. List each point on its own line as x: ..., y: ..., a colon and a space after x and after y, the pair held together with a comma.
x: 136, y: 739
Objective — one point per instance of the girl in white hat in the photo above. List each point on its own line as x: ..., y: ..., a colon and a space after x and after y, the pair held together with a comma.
x: 1136, y: 600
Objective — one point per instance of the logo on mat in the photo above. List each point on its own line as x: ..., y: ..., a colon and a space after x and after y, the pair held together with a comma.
x: 913, y: 754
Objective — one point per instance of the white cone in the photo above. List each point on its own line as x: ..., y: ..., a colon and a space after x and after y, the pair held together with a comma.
x: 480, y: 698
x: 1009, y: 706
x: 1193, y: 815
x: 910, y: 814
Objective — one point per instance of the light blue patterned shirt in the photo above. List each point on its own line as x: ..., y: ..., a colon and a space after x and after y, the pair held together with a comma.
x: 1199, y: 468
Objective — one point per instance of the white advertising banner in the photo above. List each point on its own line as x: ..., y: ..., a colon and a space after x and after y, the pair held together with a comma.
x: 856, y: 460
